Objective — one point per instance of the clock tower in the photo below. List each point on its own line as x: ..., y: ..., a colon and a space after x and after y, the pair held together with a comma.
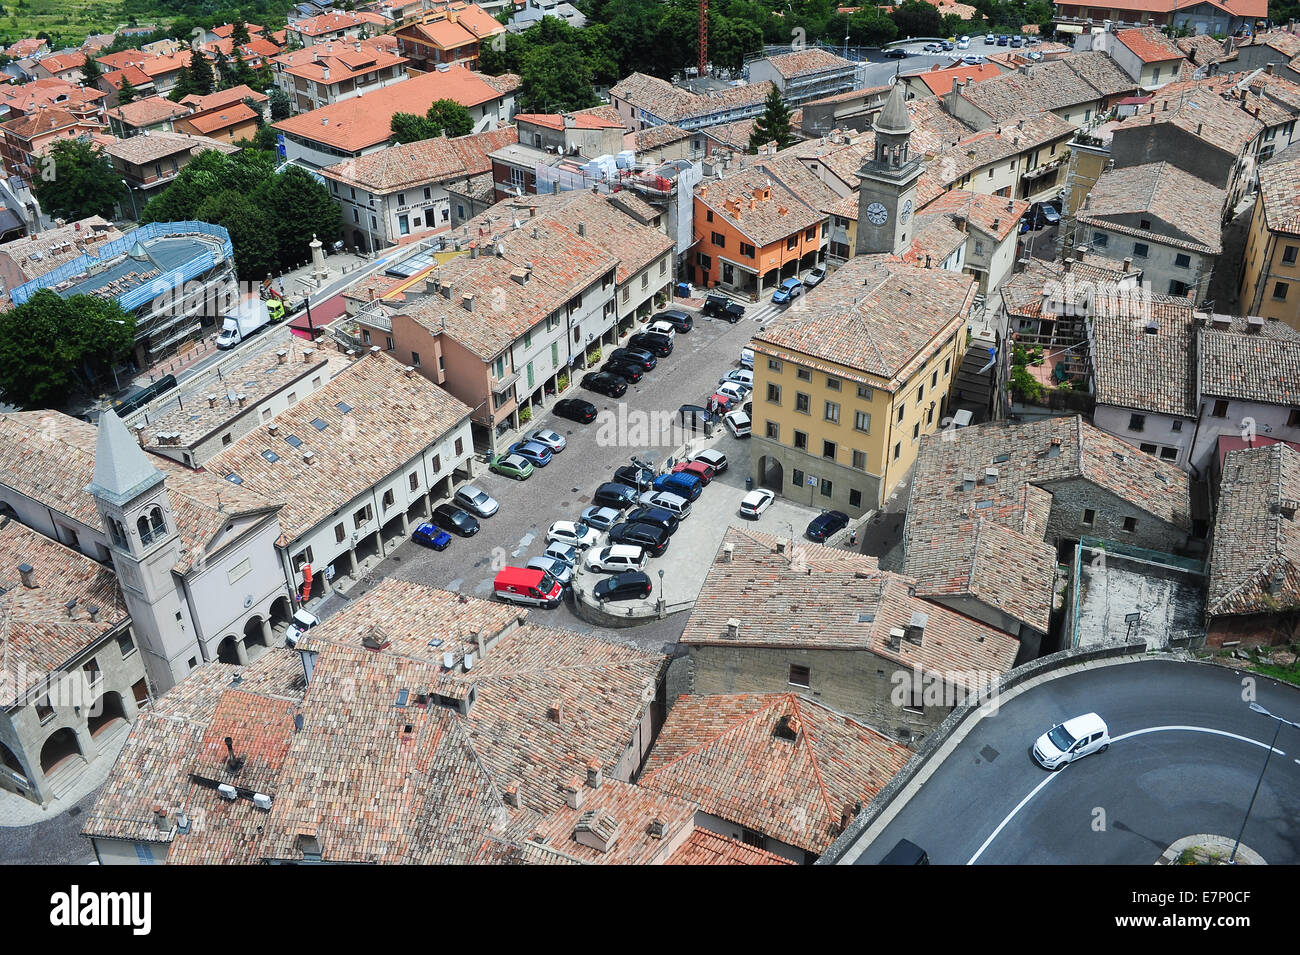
x: 887, y: 194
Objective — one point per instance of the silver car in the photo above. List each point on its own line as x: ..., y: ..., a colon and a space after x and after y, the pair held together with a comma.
x: 475, y: 500
x: 550, y: 439
x: 562, y: 552
x: 562, y: 572
x: 601, y: 518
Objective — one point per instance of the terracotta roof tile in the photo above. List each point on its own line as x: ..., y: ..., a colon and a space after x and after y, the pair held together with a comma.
x: 1189, y: 209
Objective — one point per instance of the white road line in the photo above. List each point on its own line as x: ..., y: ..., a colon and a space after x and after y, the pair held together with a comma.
x: 1118, y: 739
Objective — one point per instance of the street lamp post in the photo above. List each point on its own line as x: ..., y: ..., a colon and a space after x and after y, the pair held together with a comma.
x: 131, y: 192
x: 1263, y: 712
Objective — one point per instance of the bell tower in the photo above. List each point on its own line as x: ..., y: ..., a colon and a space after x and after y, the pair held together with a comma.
x: 131, y: 496
x: 888, y: 190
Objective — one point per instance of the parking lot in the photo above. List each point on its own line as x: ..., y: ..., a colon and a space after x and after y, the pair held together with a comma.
x: 562, y: 489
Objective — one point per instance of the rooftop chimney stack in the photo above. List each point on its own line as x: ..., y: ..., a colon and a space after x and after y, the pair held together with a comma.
x: 573, y: 793
x: 28, y: 574
x: 595, y: 774
x: 733, y: 628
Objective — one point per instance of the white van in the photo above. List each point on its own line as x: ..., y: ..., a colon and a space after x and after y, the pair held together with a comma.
x: 675, y: 504
x: 616, y: 558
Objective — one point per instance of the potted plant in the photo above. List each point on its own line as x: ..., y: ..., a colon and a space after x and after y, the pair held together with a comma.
x: 525, y: 414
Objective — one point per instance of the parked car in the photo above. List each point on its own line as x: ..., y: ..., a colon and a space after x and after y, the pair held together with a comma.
x: 475, y: 501
x: 666, y: 329
x: 302, y: 622
x: 756, y: 502
x: 657, y: 516
x: 963, y: 43
x: 574, y: 533
x: 1003, y: 40
x: 616, y: 558
x: 712, y: 457
x: 452, y: 518
x: 674, y: 504
x: 825, y: 524
x: 653, y: 539
x: 1071, y: 740
x: 576, y: 409
x: 1018, y: 42
x: 538, y: 455
x: 528, y: 586
x: 697, y: 468
x: 906, y: 852
x: 633, y: 585
x: 732, y: 390
x: 558, y: 569
x: 552, y: 440
x: 741, y: 376
x: 719, y: 306
x: 634, y: 356
x: 747, y: 358
x: 897, y: 53
x: 625, y: 370
x: 788, y: 291
x: 511, y: 465
x: 562, y: 551
x: 990, y: 40
x: 633, y: 476
x: 659, y: 345
x: 814, y: 276
x: 604, y: 383
x: 973, y: 60
x: 947, y: 46
x: 678, y: 319
x: 601, y: 518
x: 683, y: 485
x: 721, y: 403
x: 617, y: 496
x: 426, y: 535
x: 738, y: 424
x: 931, y: 48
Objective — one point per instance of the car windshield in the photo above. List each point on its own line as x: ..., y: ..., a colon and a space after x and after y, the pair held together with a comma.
x: 477, y: 497
x: 580, y: 529
x: 546, y: 584
x: 1060, y: 738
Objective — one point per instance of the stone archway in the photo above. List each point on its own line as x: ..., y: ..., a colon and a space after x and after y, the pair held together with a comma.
x: 108, y: 714
x: 60, y: 751
x: 281, y: 613
x: 253, y: 635
x: 10, y: 761
x: 771, y: 474
x: 227, y: 650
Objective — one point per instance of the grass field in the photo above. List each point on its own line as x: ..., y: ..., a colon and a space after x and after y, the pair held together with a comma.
x: 68, y: 20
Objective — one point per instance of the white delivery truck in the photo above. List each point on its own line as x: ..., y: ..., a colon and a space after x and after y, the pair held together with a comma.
x: 248, y: 317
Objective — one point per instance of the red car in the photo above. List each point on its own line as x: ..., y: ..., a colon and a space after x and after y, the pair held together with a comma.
x: 705, y: 472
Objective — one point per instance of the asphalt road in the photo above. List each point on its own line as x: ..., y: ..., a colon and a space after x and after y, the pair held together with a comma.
x: 1185, y: 756
x: 562, y: 489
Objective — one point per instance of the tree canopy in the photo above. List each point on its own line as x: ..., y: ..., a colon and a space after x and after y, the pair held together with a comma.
x: 270, y: 216
x: 75, y: 179
x: 50, y: 346
x: 444, y: 116
x: 773, y: 124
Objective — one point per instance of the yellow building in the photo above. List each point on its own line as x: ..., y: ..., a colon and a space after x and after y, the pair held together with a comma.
x: 1270, y: 279
x: 851, y: 376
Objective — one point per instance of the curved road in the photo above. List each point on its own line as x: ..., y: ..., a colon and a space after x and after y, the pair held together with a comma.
x: 1185, y: 756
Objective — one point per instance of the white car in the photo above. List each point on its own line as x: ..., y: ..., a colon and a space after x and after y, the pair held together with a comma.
x: 963, y: 43
x: 747, y: 358
x: 301, y: 623
x: 733, y: 390
x: 664, y: 328
x: 1071, y: 740
x: 815, y: 276
x: 741, y: 376
x: 574, y: 533
x: 550, y: 439
x: 756, y: 502
x: 713, y: 458
x: 737, y: 423
x: 616, y: 558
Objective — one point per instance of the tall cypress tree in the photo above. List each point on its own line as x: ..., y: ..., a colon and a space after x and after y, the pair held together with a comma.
x: 202, y: 80
x: 773, y: 124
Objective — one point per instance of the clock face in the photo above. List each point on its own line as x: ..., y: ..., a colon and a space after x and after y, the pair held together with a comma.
x: 905, y: 211
x: 877, y: 214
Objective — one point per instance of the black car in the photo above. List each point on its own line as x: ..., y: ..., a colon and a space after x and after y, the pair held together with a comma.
x: 897, y: 53
x: 453, y: 519
x: 614, y: 495
x: 652, y: 538
x: 653, y: 342
x: 626, y: 370
x: 604, y: 383
x: 676, y: 318
x: 575, y: 409
x: 633, y: 585
x: 719, y: 306
x: 639, y: 478
x: 658, y: 516
x: 634, y: 356
x: 827, y: 523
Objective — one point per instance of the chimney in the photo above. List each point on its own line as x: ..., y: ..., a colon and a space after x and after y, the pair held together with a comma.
x: 1254, y: 324
x: 272, y: 429
x: 467, y: 301
x: 1198, y: 128
x: 727, y: 551
x: 1128, y: 263
x: 28, y: 573
x: 306, y: 356
x: 481, y: 642
x: 781, y: 545
x: 212, y: 400
x: 582, y: 230
x: 555, y: 712
x: 241, y: 399
x: 657, y: 828
x: 733, y: 628
x: 573, y: 793
x: 160, y: 819
x: 233, y: 763
x: 511, y: 796
x: 991, y: 476
x: 308, y: 457
x: 968, y: 482
x: 997, y: 222
x: 1068, y: 262
x: 139, y: 434
x: 409, y: 370
x: 595, y: 775
x: 1268, y: 68
x: 93, y: 611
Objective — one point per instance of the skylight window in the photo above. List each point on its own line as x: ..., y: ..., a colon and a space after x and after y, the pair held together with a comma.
x: 1002, y: 458
x: 270, y: 455
x: 234, y: 479
x: 343, y: 406
x: 319, y: 424
x: 402, y: 697
x: 294, y: 440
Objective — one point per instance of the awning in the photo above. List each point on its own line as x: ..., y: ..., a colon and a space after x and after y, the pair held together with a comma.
x: 1069, y: 28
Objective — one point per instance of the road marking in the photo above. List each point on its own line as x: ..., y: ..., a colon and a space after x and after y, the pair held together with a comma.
x: 1142, y: 732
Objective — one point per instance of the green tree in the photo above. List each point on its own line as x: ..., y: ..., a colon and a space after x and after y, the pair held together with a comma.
x: 251, y: 231
x: 51, y: 347
x: 126, y: 93
x: 917, y: 18
x: 194, y: 78
x: 91, y: 72
x: 76, y: 179
x: 224, y: 71
x: 869, y: 27
x: 280, y: 105
x: 239, y: 32
x: 408, y: 128
x: 449, y: 118
x: 773, y: 124
x: 299, y: 207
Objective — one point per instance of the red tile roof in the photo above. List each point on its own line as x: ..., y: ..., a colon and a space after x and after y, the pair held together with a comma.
x: 1149, y: 45
x: 940, y: 80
